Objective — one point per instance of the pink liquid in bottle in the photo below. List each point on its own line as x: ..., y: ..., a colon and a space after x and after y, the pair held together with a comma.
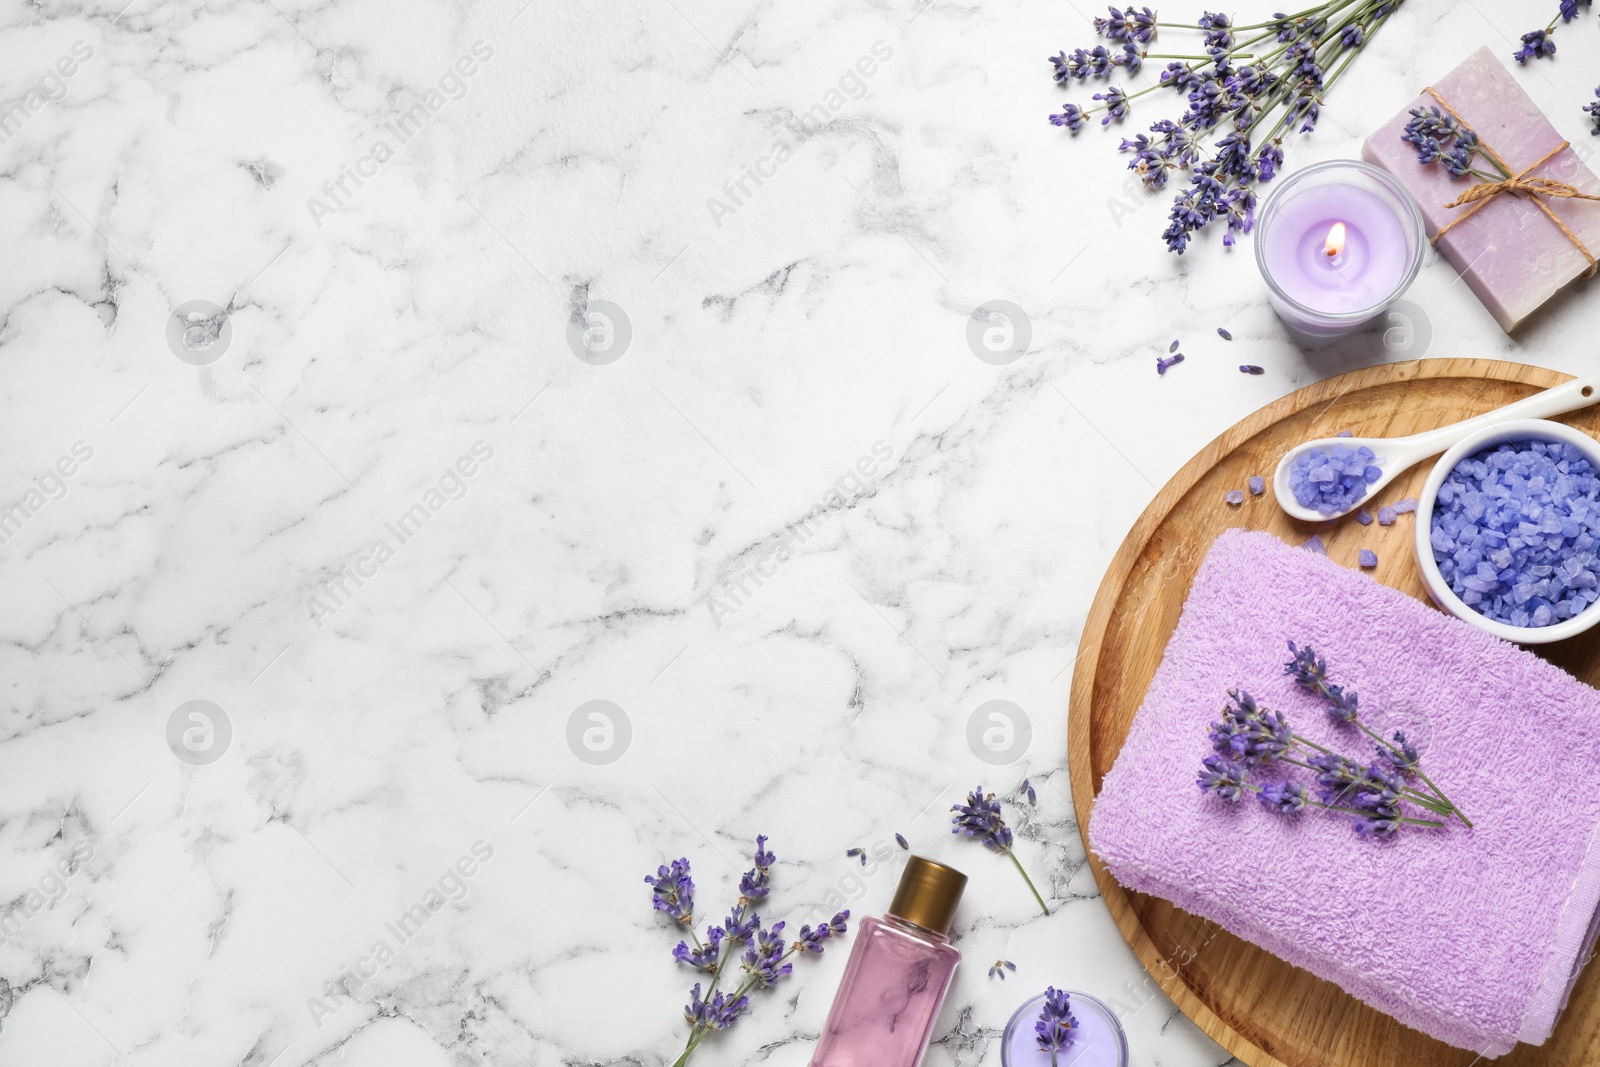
x: 899, y: 971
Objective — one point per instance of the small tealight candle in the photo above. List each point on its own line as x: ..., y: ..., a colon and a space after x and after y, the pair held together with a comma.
x: 1097, y: 1041
x: 1337, y: 244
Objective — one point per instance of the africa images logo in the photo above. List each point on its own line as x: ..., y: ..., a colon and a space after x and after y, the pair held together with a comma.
x: 452, y: 85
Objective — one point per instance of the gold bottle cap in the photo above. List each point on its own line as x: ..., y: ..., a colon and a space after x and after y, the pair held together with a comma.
x: 928, y: 894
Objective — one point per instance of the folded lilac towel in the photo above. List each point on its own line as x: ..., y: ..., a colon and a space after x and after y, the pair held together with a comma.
x: 1473, y: 936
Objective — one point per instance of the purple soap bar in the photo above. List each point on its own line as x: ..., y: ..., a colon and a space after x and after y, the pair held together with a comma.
x: 1510, y: 252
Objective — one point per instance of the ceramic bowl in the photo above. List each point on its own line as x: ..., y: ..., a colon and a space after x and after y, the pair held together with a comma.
x: 1438, y: 588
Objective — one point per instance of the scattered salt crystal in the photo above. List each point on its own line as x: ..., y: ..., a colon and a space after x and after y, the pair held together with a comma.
x: 1344, y: 433
x: 1224, y: 334
x: 1516, y: 532
x: 1386, y: 516
x: 1234, y: 496
x: 1406, y: 506
x: 1257, y: 484
x: 1368, y: 557
x: 1314, y: 544
x: 1364, y: 517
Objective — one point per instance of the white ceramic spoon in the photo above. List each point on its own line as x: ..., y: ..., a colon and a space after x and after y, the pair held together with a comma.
x: 1398, y: 454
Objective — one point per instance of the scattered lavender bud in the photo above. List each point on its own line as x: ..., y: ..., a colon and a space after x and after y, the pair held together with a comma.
x: 1028, y: 791
x: 1386, y: 516
x: 1364, y: 517
x: 1314, y: 544
x: 1000, y: 968
x: 900, y: 839
x: 1368, y: 558
x: 1224, y: 334
x: 1258, y: 485
x: 1234, y: 496
x: 1173, y: 347
x: 1251, y: 368
x: 1406, y: 506
x: 1171, y: 361
x: 855, y: 852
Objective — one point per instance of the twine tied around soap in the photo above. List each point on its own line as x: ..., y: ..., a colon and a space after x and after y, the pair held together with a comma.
x: 1519, y: 184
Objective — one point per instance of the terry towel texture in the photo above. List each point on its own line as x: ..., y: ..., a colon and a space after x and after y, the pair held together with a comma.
x: 1472, y: 936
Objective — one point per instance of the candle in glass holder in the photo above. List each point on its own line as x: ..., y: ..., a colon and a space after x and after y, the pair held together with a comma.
x: 1337, y: 244
x: 1097, y: 1040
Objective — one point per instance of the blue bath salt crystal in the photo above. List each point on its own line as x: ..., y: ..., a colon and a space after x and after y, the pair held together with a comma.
x: 1332, y: 479
x: 1516, y: 532
x: 1234, y: 496
x: 1364, y: 517
x: 1368, y: 558
x: 1257, y: 484
x: 1386, y: 516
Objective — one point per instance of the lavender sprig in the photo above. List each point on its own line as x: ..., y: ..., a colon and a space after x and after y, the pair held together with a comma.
x: 1056, y: 1025
x: 765, y: 958
x: 980, y: 818
x: 1246, y: 88
x: 1310, y: 672
x: 1249, y: 736
x: 1536, y: 44
x: 1442, y: 139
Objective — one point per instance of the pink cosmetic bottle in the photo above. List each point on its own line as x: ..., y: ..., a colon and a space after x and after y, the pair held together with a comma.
x: 899, y: 971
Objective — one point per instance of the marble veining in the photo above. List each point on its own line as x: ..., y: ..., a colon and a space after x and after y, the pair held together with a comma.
x: 459, y: 456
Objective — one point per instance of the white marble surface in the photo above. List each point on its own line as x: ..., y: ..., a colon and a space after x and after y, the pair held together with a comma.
x: 377, y: 736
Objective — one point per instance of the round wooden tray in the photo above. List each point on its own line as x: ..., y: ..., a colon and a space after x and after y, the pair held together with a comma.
x: 1256, y: 1006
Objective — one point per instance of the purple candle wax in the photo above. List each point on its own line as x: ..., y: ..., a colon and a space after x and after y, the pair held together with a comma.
x: 1337, y: 244
x: 1097, y: 1042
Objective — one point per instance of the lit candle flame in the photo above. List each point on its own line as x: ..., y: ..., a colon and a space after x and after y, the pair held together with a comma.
x: 1334, y: 246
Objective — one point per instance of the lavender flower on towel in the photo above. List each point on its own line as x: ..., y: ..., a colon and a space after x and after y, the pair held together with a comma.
x: 1284, y: 797
x: 1248, y: 736
x: 980, y: 818
x: 1223, y: 777
x: 1310, y: 673
x: 765, y: 957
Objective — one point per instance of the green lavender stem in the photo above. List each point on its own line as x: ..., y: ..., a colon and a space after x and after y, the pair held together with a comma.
x: 1421, y: 800
x: 1421, y: 774
x: 743, y: 988
x: 1348, y: 811
x: 1045, y: 907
